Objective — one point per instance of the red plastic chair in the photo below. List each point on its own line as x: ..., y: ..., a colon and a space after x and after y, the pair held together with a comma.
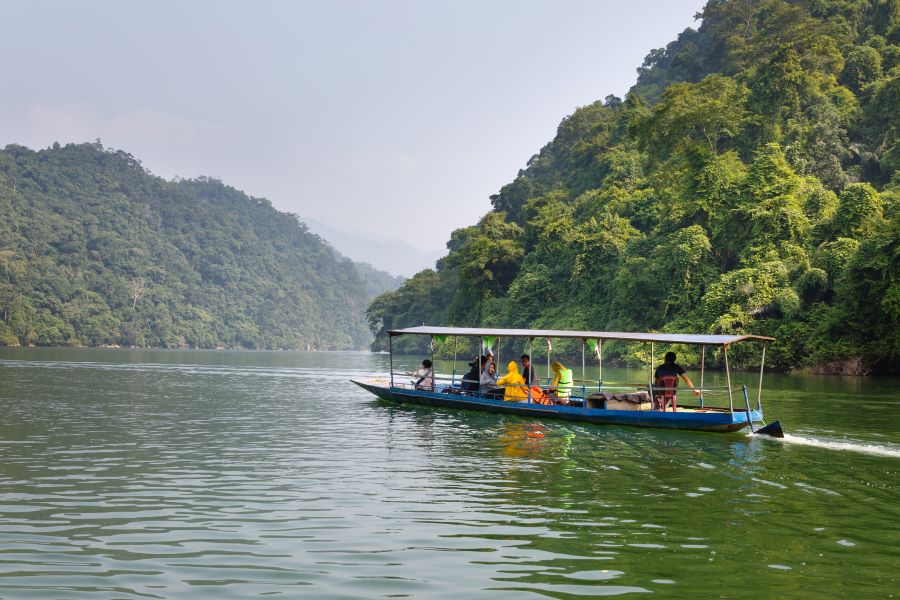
x: 664, y: 393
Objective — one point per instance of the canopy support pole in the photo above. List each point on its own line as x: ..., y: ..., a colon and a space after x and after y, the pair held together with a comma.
x: 600, y: 362
x: 702, y: 365
x: 583, y: 375
x: 728, y: 376
x: 762, y: 364
x: 650, y: 376
x: 530, y: 372
x: 455, y: 349
x: 548, y: 363
x: 391, y: 354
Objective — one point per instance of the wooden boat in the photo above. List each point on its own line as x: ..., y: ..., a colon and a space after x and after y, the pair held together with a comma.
x: 595, y: 401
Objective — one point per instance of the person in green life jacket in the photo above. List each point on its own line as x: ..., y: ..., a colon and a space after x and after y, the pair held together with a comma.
x: 562, y: 381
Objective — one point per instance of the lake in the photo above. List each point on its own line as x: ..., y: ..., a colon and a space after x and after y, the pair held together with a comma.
x: 216, y: 474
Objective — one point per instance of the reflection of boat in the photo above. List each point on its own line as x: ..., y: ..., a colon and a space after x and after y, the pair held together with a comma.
x: 595, y: 401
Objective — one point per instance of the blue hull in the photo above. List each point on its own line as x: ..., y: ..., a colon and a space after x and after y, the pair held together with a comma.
x: 712, y: 420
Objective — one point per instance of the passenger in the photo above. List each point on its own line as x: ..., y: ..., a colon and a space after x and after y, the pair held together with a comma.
x: 528, y: 373
x: 666, y: 376
x: 670, y: 367
x: 562, y: 382
x: 513, y: 384
x: 488, y: 384
x: 424, y: 377
x: 488, y: 356
x: 470, y: 380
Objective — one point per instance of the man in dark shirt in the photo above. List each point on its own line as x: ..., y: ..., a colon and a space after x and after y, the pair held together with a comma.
x: 528, y: 373
x: 470, y: 379
x: 670, y: 367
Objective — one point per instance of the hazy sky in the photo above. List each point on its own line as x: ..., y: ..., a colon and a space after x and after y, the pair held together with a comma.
x: 396, y: 119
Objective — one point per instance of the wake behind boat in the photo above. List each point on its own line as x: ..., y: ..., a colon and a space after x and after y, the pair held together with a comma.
x: 641, y: 404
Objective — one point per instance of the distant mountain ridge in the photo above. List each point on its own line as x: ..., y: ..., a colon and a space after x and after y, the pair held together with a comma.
x: 392, y: 256
x: 96, y: 251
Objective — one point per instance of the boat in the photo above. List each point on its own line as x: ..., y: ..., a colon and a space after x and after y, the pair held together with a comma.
x: 639, y: 404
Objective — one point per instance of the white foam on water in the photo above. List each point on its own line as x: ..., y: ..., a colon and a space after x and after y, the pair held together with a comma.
x: 848, y: 446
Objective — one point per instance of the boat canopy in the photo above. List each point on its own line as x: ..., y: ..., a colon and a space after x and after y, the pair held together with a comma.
x: 665, y: 338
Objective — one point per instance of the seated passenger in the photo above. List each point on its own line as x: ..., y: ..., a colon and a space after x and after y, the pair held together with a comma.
x: 513, y: 384
x: 488, y: 384
x: 470, y: 380
x: 424, y: 377
x: 562, y: 382
x: 665, y: 382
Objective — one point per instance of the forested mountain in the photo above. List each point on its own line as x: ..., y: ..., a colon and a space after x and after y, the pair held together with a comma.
x: 747, y: 183
x: 96, y: 251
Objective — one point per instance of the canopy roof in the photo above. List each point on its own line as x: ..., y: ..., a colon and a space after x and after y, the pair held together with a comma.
x: 666, y: 338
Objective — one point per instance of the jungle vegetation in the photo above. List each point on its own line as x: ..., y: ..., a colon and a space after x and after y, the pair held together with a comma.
x: 96, y: 251
x: 748, y: 182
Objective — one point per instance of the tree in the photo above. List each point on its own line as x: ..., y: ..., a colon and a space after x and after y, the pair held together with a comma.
x: 882, y: 123
x: 773, y: 205
x: 710, y: 112
x: 136, y: 291
x: 859, y: 211
x: 487, y: 264
x: 863, y: 66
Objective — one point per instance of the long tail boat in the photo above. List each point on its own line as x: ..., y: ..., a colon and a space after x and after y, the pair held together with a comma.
x: 640, y: 404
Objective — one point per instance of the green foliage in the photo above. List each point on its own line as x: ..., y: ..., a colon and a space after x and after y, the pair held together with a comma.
x: 859, y: 211
x: 863, y: 66
x: 709, y: 112
x: 421, y: 300
x: 819, y: 203
x: 487, y: 263
x: 881, y: 122
x: 95, y: 251
x: 833, y: 256
x: 716, y: 197
x: 812, y: 285
x: 772, y: 208
x: 867, y: 298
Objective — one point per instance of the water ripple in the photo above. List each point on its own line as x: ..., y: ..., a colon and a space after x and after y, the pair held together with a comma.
x: 271, y: 475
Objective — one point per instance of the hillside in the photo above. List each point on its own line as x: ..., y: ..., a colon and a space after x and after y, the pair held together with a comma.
x: 96, y: 251
x: 747, y: 183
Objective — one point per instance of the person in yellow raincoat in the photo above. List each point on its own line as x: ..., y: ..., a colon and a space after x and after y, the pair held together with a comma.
x: 513, y: 384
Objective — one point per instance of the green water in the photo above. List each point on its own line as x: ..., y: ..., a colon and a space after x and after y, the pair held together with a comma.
x: 170, y: 474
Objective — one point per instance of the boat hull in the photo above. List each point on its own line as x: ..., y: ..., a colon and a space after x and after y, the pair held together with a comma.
x: 712, y: 420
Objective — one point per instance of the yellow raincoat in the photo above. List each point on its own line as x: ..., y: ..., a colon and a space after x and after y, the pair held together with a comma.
x: 515, y: 384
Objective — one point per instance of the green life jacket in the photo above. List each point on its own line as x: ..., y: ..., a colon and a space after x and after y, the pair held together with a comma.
x: 564, y: 386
